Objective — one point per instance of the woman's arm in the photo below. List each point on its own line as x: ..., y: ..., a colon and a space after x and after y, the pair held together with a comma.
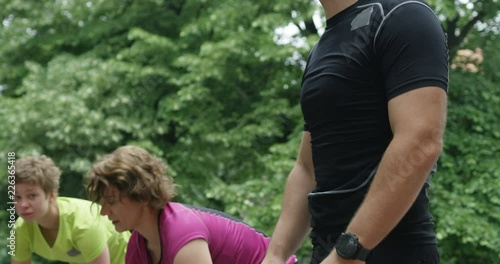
x: 196, y: 251
x: 103, y: 258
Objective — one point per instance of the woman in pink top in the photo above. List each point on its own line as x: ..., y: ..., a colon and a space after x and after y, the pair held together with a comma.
x: 135, y: 192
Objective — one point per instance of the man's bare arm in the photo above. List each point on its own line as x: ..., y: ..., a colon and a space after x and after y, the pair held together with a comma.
x: 418, y: 120
x: 293, y: 224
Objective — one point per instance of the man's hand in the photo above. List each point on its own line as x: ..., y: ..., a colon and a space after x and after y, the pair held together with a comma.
x: 334, y: 258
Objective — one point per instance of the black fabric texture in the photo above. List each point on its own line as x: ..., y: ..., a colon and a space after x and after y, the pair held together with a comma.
x: 370, y: 53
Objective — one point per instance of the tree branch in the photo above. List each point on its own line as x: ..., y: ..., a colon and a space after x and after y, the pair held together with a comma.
x: 451, y: 27
x: 310, y: 28
x: 454, y: 40
x: 176, y: 8
x: 465, y: 30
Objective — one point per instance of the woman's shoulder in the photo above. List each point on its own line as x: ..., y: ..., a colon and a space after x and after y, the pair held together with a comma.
x: 178, y: 226
x: 176, y: 211
x: 23, y: 228
x: 178, y: 220
x: 79, y: 215
x: 71, y: 205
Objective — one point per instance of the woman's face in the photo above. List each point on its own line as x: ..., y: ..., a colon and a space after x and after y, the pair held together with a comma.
x: 124, y: 213
x: 32, y: 202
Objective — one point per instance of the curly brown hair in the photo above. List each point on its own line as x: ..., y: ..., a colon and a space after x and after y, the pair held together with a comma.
x: 136, y: 174
x: 40, y: 171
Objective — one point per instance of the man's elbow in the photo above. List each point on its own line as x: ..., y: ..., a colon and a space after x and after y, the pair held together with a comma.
x: 431, y: 141
x: 426, y: 149
x: 421, y: 148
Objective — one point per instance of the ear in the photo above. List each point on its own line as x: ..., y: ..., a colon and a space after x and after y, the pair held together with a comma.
x: 52, y: 196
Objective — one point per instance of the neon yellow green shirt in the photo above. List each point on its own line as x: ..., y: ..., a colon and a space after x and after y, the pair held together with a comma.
x: 81, y: 237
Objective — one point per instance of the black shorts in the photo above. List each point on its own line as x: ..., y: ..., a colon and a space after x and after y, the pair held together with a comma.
x: 389, y: 253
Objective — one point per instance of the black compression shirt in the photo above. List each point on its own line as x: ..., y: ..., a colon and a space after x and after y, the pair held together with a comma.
x: 369, y: 53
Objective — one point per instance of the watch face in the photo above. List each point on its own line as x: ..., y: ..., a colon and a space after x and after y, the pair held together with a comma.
x: 347, y: 246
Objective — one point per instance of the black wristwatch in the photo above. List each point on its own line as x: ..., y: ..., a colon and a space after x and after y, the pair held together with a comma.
x: 348, y: 247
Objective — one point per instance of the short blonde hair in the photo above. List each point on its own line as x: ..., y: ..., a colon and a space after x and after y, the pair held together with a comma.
x: 39, y: 171
x: 136, y: 174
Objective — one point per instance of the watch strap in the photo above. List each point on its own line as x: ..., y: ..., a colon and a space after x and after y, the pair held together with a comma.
x: 363, y: 254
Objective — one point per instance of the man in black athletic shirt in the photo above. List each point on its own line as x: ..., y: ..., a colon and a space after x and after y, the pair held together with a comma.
x: 373, y: 98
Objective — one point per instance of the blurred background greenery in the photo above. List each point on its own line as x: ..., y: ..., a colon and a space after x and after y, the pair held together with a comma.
x: 212, y: 87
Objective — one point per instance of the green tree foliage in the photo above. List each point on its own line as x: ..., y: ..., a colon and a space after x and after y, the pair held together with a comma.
x: 179, y: 78
x: 461, y: 17
x: 201, y: 84
x: 466, y: 189
x: 213, y: 89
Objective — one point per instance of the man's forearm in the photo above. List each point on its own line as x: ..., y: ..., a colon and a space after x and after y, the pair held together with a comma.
x: 293, y: 224
x: 400, y: 177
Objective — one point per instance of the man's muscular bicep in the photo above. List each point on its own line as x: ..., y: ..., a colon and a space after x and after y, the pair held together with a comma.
x: 420, y: 112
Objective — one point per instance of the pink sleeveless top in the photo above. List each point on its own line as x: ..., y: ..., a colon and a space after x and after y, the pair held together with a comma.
x: 229, y: 241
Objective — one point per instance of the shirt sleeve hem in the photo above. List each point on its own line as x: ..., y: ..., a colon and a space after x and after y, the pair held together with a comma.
x: 417, y: 85
x: 97, y: 253
x: 183, y: 242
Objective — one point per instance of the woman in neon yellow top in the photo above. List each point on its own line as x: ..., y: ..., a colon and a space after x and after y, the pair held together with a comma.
x: 60, y: 228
